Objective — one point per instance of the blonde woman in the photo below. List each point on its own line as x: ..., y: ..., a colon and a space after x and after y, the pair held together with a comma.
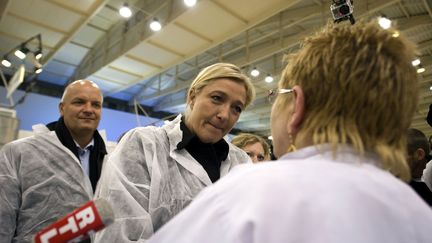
x: 338, y: 121
x: 155, y: 172
x: 255, y: 146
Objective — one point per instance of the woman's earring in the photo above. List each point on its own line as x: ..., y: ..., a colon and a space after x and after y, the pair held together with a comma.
x: 292, y: 147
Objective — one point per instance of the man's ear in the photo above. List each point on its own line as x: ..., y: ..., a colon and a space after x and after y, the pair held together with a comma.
x: 61, y: 105
x: 297, y: 115
x: 419, y: 154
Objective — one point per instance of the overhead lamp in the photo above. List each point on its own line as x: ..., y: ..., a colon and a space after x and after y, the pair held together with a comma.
x: 5, y: 62
x: 384, y: 22
x: 430, y: 88
x: 38, y: 70
x: 270, y: 137
x: 190, y: 3
x: 396, y: 34
x: 420, y: 69
x: 416, y: 62
x: 255, y: 72
x: 38, y: 54
x: 21, y: 53
x: 268, y: 79
x: 155, y: 25
x: 125, y: 11
x: 23, y: 49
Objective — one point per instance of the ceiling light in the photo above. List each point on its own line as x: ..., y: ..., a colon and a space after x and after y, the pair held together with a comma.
x: 38, y: 55
x: 415, y: 62
x: 395, y: 34
x: 384, y: 22
x: 255, y: 72
x: 421, y: 69
x: 38, y: 70
x: 22, y: 52
x: 125, y: 11
x: 155, y: 25
x: 270, y: 137
x: 190, y: 3
x: 268, y: 79
x: 5, y: 62
x: 430, y: 88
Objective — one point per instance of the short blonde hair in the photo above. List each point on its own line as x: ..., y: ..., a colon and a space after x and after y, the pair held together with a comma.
x: 244, y: 139
x: 222, y: 70
x: 360, y: 89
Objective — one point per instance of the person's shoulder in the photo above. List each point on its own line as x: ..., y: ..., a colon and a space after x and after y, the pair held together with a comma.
x: 144, y: 133
x: 22, y: 145
x: 144, y: 136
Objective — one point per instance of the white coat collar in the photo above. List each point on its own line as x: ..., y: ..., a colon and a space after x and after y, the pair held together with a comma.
x: 175, y: 134
x: 344, y: 154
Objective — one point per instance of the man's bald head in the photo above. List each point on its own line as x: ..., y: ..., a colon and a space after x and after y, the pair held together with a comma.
x: 79, y: 83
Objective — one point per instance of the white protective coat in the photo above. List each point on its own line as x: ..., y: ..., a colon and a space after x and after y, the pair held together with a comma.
x: 307, y: 196
x: 427, y: 175
x: 147, y: 181
x: 40, y: 182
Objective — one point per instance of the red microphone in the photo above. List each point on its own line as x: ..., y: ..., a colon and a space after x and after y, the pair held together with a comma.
x: 76, y: 226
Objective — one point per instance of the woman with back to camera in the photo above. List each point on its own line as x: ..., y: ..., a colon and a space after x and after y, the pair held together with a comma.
x: 338, y: 121
x: 156, y: 171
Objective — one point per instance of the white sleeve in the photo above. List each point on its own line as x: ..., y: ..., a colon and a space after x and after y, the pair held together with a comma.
x: 10, y: 196
x: 427, y: 175
x: 125, y: 184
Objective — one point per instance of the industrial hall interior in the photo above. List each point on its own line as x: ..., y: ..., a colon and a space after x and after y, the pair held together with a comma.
x: 192, y: 121
x: 145, y: 57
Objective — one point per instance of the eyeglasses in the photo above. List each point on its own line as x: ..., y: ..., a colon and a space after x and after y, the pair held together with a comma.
x: 273, y: 93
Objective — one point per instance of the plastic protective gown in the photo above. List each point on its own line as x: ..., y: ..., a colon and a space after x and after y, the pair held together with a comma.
x: 427, y: 175
x: 147, y: 181
x: 306, y: 196
x: 41, y: 181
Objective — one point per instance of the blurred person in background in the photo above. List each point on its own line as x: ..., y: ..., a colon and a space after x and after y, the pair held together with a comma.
x: 418, y: 151
x: 255, y: 146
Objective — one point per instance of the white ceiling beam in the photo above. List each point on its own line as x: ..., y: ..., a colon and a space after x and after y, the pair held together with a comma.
x: 67, y: 7
x: 4, y: 8
x: 37, y: 23
x: 93, y: 10
x: 193, y: 32
x: 411, y: 22
x: 428, y: 8
x: 229, y: 11
x: 425, y: 45
x: 142, y: 61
